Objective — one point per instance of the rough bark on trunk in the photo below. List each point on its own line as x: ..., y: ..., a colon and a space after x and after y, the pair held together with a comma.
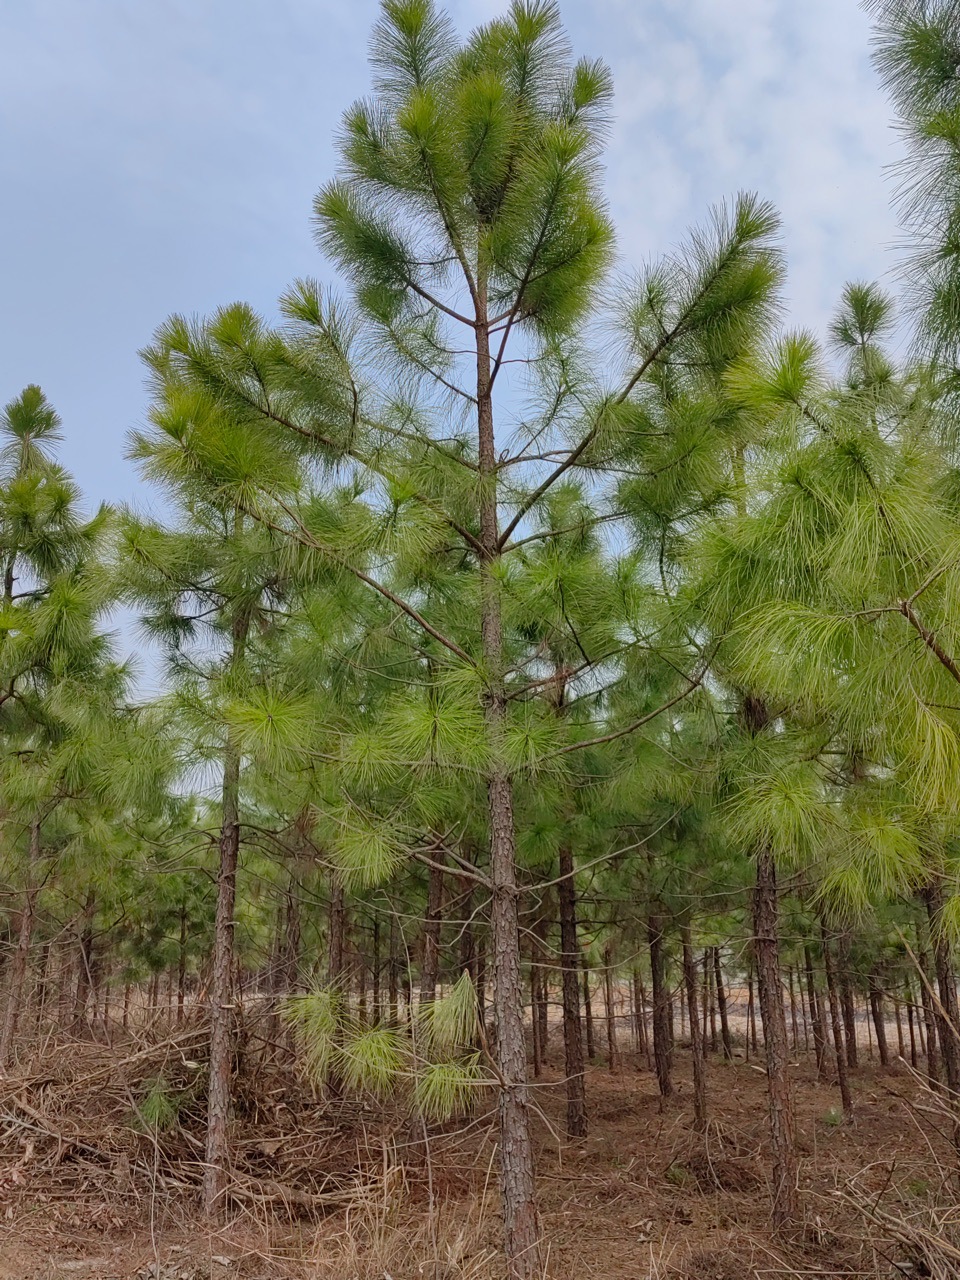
x: 86, y: 968
x: 877, y: 1014
x: 930, y: 1023
x: 468, y: 948
x: 588, y: 1007
x: 766, y: 923
x: 336, y: 933
x: 794, y: 1022
x: 841, y: 1058
x: 913, y: 1036
x: 709, y: 1001
x: 393, y: 972
x: 696, y: 1032
x: 662, y: 1035
x: 847, y: 1000
x: 640, y: 1014
x: 947, y: 1011
x: 722, y: 1005
x: 517, y: 1183
x: 898, y: 1019
x: 521, y: 1220
x: 613, y: 1052
x: 222, y: 1019
x: 750, y: 1039
x: 375, y: 973
x: 819, y: 1045
x: 182, y: 966
x: 534, y: 1020
x: 432, y: 921
x: 542, y: 996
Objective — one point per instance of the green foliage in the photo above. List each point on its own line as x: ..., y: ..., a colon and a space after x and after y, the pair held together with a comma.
x: 432, y: 1059
x: 159, y: 1109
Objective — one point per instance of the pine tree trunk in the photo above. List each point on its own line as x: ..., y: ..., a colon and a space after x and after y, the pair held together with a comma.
x: 662, y: 1034
x: 794, y: 1023
x: 468, y: 948
x: 520, y: 1217
x: 841, y: 1058
x: 751, y: 1038
x: 767, y: 944
x: 21, y: 957
x: 182, y: 966
x: 640, y: 1014
x: 877, y: 1014
x: 847, y: 1001
x: 375, y: 974
x: 819, y: 1045
x: 588, y: 1008
x: 482, y: 982
x: 929, y: 1021
x: 43, y: 985
x: 913, y: 1036
x: 722, y: 1004
x: 613, y: 1052
x: 898, y: 1018
x: 534, y: 1020
x: 393, y: 972
x: 85, y: 967
x: 947, y: 1012
x: 360, y: 968
x: 710, y: 991
x: 696, y: 1033
x: 542, y: 986
x: 336, y: 933
x: 521, y: 1220
x: 222, y: 1013
x: 432, y: 921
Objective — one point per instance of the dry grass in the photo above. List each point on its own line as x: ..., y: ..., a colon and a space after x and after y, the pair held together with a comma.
x: 331, y: 1190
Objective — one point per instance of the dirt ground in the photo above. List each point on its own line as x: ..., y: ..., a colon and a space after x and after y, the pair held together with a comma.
x: 85, y: 1192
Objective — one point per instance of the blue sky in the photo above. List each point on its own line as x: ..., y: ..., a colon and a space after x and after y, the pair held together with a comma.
x: 162, y: 155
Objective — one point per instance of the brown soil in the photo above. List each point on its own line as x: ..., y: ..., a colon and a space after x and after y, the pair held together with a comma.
x: 85, y: 1192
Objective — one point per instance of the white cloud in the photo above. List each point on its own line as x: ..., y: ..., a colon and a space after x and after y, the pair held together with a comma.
x: 163, y: 156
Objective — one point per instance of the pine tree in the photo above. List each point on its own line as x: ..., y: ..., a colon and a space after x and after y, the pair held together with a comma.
x: 215, y: 578
x: 467, y: 217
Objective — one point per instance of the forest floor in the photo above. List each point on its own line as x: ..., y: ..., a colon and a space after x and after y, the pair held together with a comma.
x: 88, y: 1190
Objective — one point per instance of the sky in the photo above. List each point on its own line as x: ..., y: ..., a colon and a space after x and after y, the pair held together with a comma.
x: 161, y: 156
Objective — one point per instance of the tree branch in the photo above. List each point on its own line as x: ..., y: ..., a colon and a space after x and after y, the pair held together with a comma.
x: 693, y: 682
